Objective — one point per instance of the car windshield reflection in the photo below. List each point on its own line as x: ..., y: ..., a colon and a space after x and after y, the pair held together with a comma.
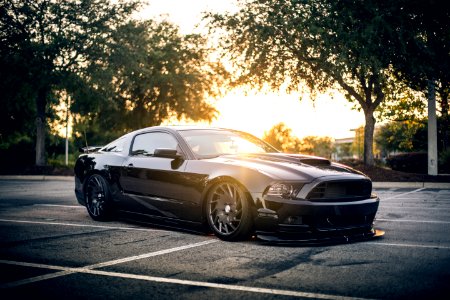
x: 214, y: 143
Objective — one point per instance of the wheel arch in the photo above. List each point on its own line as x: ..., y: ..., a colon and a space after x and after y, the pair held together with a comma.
x: 211, y: 183
x: 87, y: 174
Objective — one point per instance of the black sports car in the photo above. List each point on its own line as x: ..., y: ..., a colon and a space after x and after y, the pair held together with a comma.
x: 228, y: 180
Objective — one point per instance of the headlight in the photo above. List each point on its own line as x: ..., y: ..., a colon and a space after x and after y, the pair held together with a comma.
x: 283, y: 190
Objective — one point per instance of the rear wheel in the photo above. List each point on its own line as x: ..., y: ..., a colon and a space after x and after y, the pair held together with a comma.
x: 98, y: 198
x: 228, y: 212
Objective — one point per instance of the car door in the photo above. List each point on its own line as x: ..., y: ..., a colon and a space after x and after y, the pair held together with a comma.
x: 152, y: 184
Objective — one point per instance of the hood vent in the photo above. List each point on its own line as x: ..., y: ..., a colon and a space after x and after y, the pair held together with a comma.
x: 316, y: 162
x: 293, y: 158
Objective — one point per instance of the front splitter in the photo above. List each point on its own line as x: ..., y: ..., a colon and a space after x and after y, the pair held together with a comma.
x: 334, y: 238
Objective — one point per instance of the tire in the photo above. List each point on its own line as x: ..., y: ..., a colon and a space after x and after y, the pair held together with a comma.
x: 98, y: 198
x: 228, y: 212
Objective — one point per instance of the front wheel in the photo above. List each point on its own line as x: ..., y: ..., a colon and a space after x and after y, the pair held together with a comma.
x: 98, y: 198
x: 228, y: 212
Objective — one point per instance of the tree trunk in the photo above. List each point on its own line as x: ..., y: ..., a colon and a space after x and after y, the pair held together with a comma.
x: 369, y: 129
x: 41, y: 103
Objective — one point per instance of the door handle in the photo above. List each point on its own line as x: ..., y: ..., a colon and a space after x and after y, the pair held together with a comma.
x: 129, y: 168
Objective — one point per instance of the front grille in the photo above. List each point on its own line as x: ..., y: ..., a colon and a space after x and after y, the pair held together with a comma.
x: 341, y: 191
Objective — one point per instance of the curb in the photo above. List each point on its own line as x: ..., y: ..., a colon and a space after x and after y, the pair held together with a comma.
x: 376, y: 184
x: 414, y: 185
x: 37, y: 177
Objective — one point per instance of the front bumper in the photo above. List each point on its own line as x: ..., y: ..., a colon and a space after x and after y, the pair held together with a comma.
x: 316, y: 222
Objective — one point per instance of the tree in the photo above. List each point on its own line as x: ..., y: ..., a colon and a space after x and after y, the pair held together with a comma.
x: 423, y: 51
x: 280, y: 136
x: 322, y: 43
x: 152, y: 73
x: 15, y: 105
x: 318, y: 146
x: 55, y: 41
x: 407, y: 136
x: 422, y: 48
x: 398, y: 136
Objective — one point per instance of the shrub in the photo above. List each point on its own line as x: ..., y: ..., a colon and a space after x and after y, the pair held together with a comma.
x: 444, y: 162
x: 414, y: 162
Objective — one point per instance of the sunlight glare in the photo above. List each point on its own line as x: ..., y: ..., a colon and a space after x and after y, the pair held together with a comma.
x: 257, y: 113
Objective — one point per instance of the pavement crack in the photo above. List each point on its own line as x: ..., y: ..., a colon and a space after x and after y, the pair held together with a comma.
x: 130, y: 242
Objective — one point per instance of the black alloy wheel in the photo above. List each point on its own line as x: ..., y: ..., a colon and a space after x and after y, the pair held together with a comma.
x: 228, y: 212
x: 98, y: 202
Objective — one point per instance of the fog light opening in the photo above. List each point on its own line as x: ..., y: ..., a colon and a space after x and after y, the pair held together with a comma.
x: 294, y: 220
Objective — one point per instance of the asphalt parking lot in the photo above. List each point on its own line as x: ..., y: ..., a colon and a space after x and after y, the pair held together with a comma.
x: 50, y: 248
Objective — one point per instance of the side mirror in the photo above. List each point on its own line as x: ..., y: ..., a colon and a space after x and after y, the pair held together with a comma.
x: 166, y: 153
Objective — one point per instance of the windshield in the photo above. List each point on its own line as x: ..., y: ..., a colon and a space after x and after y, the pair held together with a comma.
x: 209, y: 143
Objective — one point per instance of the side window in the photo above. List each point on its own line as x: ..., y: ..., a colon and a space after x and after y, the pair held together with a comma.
x: 146, y: 143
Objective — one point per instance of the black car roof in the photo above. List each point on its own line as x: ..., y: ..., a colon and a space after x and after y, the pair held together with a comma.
x: 182, y: 128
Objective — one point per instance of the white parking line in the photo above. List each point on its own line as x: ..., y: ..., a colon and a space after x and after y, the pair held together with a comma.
x: 86, y: 269
x: 230, y: 287
x: 403, y: 194
x: 409, y: 245
x: 146, y: 255
x: 413, y: 207
x: 80, y: 225
x: 59, y: 205
x: 223, y: 286
x: 412, y: 221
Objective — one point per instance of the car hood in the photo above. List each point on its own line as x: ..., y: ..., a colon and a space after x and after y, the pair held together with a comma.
x: 289, y: 166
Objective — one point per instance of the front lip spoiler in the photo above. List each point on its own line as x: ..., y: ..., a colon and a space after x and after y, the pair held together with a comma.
x: 276, y: 238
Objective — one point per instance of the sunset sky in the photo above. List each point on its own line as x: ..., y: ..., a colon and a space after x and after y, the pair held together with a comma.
x: 258, y: 112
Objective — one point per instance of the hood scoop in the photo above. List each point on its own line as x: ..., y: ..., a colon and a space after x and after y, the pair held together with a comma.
x: 295, y: 158
x: 316, y: 162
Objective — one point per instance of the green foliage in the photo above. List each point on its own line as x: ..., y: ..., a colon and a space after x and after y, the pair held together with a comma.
x: 323, y: 44
x: 422, y: 46
x: 423, y: 51
x: 119, y: 74
x: 410, y: 136
x: 280, y: 136
x: 398, y: 136
x: 59, y: 161
x: 44, y: 45
x: 17, y: 110
x: 17, y: 156
x: 444, y: 162
x: 318, y: 146
x: 152, y: 74
x: 405, y: 105
x: 416, y: 162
